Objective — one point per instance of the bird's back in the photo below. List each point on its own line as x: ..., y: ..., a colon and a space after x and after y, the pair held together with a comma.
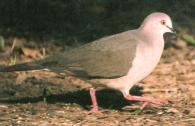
x: 108, y: 57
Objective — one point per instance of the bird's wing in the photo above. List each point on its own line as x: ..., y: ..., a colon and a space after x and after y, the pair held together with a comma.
x: 108, y: 57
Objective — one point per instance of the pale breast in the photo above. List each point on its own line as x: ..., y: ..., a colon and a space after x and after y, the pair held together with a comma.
x: 146, y: 59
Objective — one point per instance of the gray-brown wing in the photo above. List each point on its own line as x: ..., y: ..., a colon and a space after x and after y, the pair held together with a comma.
x: 108, y: 57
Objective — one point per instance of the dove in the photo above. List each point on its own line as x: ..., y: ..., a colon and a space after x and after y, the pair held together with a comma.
x: 117, y: 61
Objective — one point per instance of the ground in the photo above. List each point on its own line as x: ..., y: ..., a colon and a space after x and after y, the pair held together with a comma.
x: 44, y: 98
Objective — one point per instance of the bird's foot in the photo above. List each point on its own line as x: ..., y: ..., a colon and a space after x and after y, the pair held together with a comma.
x: 95, y: 110
x: 144, y: 105
x: 94, y: 102
x: 146, y: 100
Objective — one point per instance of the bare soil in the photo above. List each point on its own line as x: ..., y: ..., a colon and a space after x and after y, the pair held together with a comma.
x: 47, y: 99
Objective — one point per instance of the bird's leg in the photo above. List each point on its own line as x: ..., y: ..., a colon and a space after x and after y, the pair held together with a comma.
x: 144, y: 105
x: 95, y: 109
x: 146, y: 100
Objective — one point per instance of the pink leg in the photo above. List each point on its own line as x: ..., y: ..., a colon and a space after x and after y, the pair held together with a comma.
x: 144, y: 105
x: 146, y: 100
x: 94, y: 101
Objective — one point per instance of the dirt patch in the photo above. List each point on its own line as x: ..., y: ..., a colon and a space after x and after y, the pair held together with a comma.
x: 44, y: 98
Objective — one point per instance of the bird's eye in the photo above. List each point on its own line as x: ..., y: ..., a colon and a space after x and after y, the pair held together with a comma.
x: 163, y: 22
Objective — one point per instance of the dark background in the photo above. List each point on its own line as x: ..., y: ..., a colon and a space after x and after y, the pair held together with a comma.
x: 80, y: 21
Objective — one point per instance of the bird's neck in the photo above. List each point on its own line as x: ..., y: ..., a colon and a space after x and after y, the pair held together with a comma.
x: 152, y: 37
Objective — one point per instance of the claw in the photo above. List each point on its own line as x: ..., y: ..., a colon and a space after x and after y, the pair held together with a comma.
x: 94, y: 111
x: 146, y: 100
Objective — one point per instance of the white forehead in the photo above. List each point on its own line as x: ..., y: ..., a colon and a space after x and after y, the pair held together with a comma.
x: 155, y: 18
x: 158, y: 16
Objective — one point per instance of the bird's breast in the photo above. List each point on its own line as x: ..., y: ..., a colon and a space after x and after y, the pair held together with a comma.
x: 146, y: 59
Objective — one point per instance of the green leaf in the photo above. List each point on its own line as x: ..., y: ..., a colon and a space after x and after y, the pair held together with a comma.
x: 12, y: 60
x: 189, y: 38
x: 2, y: 43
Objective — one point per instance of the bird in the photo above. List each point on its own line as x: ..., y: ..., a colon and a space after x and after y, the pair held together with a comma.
x: 117, y: 61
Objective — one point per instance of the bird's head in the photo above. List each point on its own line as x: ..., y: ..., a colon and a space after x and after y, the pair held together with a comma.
x: 158, y: 23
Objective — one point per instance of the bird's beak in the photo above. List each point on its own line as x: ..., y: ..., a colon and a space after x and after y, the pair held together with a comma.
x: 171, y: 30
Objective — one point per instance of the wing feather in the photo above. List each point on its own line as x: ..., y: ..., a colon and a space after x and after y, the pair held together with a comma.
x: 108, y: 57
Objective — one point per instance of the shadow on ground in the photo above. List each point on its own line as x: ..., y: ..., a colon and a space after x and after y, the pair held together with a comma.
x: 107, y: 98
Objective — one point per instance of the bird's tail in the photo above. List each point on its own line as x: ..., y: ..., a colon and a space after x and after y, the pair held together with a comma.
x: 20, y: 67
